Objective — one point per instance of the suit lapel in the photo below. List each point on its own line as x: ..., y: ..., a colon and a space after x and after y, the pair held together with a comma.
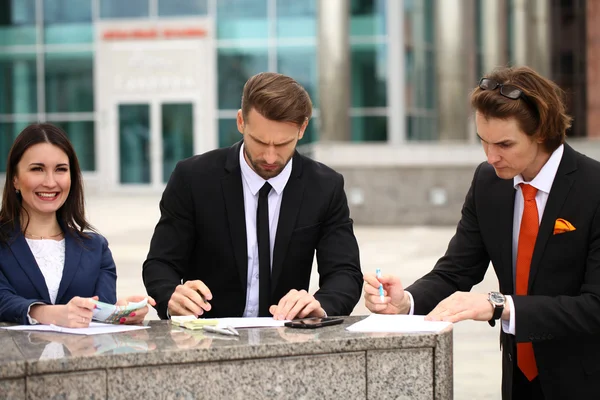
x: 290, y: 206
x: 26, y: 260
x: 233, y: 196
x: 558, y: 194
x: 505, y: 200
x: 73, y: 251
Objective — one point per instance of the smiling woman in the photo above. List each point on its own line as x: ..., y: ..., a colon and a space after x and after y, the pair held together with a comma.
x: 46, y: 241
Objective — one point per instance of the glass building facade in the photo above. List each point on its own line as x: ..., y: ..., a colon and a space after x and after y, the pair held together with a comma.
x: 48, y: 67
x: 47, y: 61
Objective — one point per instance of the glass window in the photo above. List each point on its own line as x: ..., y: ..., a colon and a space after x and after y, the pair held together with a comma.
x: 235, y: 67
x: 420, y: 78
x: 367, y: 18
x: 296, y: 18
x: 228, y: 132
x: 8, y: 132
x: 300, y: 63
x: 369, y: 75
x: 18, y: 83
x: 17, y: 22
x: 69, y: 82
x: 124, y: 9
x: 242, y: 19
x: 134, y: 143
x: 177, y: 135
x: 423, y: 128
x: 181, y: 8
x: 369, y: 129
x: 68, y: 21
x: 81, y: 134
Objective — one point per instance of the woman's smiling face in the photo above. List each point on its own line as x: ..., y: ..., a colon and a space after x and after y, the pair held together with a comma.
x: 44, y: 179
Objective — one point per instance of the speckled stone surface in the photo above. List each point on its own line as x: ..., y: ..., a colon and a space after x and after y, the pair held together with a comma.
x: 13, y: 389
x: 400, y: 374
x: 39, y: 355
x: 302, y: 377
x: 74, y: 385
x: 443, y: 367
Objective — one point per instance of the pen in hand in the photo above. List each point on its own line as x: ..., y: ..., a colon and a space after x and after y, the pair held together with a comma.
x: 378, y: 274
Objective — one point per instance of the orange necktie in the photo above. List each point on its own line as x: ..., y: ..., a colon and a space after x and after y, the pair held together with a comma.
x: 527, y: 236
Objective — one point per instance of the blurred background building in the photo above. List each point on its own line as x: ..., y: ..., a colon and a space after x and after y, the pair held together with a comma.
x: 141, y: 84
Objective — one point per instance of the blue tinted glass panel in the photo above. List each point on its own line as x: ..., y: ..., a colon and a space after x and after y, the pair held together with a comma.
x: 181, y: 8
x: 421, y: 128
x: 124, y: 9
x: 18, y: 83
x: 81, y: 134
x: 236, y: 66
x: 420, y: 78
x: 369, y: 129
x: 367, y: 17
x: 300, y: 63
x: 8, y: 132
x: 68, y: 21
x: 177, y: 135
x: 242, y: 19
x: 296, y: 18
x: 369, y: 75
x: 134, y: 143
x: 228, y: 132
x: 17, y: 22
x: 69, y: 82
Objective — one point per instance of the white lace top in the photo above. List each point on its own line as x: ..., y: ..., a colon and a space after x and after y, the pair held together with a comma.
x: 50, y: 257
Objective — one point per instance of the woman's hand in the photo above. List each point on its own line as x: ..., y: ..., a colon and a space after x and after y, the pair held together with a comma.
x: 77, y: 313
x: 137, y: 316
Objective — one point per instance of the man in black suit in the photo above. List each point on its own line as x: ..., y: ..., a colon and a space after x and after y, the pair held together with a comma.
x: 239, y: 226
x: 533, y: 210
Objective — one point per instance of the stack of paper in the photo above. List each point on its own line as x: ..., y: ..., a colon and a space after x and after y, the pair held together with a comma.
x: 397, y: 323
x: 191, y: 322
x: 95, y: 328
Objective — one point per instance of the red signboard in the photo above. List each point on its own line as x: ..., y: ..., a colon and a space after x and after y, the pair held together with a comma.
x: 153, y: 33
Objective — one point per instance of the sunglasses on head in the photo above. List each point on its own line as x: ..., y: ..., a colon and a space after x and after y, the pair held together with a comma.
x: 509, y: 91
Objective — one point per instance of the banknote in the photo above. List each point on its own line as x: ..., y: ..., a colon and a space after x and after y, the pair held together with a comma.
x: 112, y: 314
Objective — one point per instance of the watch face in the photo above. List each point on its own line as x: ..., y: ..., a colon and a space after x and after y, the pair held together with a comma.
x: 497, y: 298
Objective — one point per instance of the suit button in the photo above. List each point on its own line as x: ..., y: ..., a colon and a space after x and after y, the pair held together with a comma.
x: 550, y: 336
x: 509, y: 357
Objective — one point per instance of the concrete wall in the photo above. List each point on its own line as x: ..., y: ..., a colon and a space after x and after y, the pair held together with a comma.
x: 410, y: 184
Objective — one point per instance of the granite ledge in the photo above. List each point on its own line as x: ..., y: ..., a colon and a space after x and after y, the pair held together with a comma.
x: 279, y: 342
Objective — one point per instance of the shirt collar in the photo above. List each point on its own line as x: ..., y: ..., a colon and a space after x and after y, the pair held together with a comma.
x: 255, y: 182
x: 544, y: 179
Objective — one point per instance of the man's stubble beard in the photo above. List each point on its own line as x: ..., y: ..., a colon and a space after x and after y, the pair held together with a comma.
x: 266, y: 175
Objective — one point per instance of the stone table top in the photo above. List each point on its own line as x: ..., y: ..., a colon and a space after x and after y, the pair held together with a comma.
x: 32, y: 353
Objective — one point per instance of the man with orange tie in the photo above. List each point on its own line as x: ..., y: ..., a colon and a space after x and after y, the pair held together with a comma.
x: 533, y: 210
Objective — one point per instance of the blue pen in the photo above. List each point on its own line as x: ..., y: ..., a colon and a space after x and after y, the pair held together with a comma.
x: 378, y: 274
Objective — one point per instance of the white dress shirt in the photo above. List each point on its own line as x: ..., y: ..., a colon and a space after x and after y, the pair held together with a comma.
x: 543, y: 183
x: 50, y: 258
x: 252, y: 183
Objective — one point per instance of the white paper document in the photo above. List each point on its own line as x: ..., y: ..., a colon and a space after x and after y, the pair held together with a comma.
x: 95, y: 328
x: 250, y: 322
x: 397, y: 323
x: 257, y: 322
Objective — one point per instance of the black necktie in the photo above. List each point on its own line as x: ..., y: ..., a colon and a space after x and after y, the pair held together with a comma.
x: 264, y: 252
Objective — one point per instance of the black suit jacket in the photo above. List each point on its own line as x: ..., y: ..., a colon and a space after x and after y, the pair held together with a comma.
x: 561, y: 314
x: 201, y: 235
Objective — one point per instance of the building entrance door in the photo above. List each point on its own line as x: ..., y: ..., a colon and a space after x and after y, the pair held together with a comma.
x: 152, y: 138
x: 155, y: 95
